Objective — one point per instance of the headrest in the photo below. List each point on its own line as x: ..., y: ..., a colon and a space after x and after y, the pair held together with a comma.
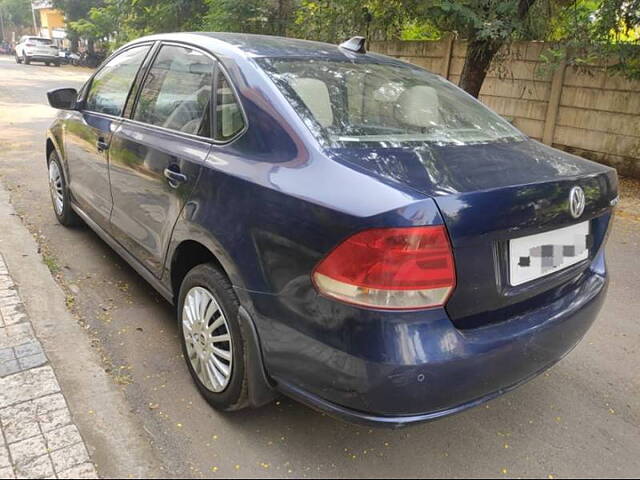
x: 315, y: 95
x: 418, y: 106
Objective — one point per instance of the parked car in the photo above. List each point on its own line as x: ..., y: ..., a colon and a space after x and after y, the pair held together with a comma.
x: 37, y: 49
x: 339, y: 226
x: 5, y: 48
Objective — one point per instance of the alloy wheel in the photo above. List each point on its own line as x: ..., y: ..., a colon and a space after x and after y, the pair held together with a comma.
x: 56, y: 188
x: 208, y: 339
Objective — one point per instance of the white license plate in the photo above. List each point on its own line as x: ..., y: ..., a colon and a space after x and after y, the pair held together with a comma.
x: 544, y: 253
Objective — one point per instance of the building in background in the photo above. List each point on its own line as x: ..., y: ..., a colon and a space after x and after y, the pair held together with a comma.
x: 48, y: 21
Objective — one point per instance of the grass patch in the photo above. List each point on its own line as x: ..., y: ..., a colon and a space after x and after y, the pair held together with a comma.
x: 51, y: 262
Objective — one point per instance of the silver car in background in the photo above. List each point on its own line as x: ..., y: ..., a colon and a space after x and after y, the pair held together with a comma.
x: 37, y: 49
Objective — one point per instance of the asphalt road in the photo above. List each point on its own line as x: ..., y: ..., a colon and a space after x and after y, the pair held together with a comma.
x: 581, y: 419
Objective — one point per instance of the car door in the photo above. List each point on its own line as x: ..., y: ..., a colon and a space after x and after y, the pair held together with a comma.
x: 156, y: 155
x: 87, y: 132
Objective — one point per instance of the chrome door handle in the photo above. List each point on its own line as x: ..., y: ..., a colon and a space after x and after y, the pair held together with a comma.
x: 175, y: 177
x: 101, y: 145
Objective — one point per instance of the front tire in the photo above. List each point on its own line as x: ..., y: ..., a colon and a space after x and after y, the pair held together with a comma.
x: 26, y: 60
x: 212, y: 341
x: 60, y: 193
x: 18, y: 59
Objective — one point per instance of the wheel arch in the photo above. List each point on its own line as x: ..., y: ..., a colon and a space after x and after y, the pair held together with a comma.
x: 196, y: 248
x: 187, y: 254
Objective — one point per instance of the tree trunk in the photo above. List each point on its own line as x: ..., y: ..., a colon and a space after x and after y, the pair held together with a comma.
x: 480, y: 53
x: 73, y: 40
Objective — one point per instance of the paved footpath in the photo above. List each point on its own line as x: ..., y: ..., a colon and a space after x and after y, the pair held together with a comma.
x: 38, y: 438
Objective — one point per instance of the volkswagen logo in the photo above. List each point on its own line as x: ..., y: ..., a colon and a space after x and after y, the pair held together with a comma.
x: 576, y: 202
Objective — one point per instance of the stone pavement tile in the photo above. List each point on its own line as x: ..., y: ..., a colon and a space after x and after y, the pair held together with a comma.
x: 40, y: 467
x: 32, y: 361
x: 27, y: 450
x: 7, y: 292
x: 69, y: 457
x: 49, y: 404
x: 24, y: 386
x: 7, y: 472
x: 7, y: 354
x: 10, y: 303
x: 62, y: 437
x: 6, y: 281
x: 53, y: 420
x: 86, y: 470
x: 4, y: 457
x: 13, y: 314
x: 27, y: 349
x: 19, y: 422
x: 9, y: 368
x: 12, y: 335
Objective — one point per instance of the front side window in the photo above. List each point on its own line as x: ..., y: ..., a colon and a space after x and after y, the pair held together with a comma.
x: 177, y: 91
x: 355, y: 103
x: 110, y: 86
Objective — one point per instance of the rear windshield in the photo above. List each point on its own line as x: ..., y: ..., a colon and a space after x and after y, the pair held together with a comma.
x: 39, y: 41
x: 357, y: 103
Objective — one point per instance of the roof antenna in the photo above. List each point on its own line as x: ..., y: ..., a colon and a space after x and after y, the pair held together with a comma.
x: 355, y: 44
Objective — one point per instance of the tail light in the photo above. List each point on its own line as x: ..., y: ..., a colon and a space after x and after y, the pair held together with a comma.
x: 390, y: 268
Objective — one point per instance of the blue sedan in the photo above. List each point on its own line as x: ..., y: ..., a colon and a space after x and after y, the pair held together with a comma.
x: 335, y: 225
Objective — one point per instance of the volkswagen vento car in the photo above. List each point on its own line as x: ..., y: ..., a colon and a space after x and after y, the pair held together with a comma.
x: 338, y: 226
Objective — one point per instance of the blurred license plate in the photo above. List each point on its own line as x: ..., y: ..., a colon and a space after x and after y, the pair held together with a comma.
x: 544, y: 253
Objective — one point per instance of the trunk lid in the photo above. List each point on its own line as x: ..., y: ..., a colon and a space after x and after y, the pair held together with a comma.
x: 489, y: 194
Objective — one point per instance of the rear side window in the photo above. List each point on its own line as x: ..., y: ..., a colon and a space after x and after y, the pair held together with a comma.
x: 110, y: 86
x: 229, y: 120
x: 177, y: 91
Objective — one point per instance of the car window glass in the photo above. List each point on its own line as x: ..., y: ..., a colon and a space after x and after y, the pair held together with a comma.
x: 177, y: 90
x: 229, y: 119
x: 110, y: 87
x: 357, y: 103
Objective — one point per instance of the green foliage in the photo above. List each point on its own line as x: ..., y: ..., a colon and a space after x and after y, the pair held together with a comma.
x: 250, y: 16
x: 16, y: 12
x: 420, y: 30
x: 336, y: 20
x: 604, y: 33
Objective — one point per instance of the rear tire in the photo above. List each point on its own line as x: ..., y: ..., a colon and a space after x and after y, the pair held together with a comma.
x: 60, y: 193
x: 47, y: 63
x: 230, y: 394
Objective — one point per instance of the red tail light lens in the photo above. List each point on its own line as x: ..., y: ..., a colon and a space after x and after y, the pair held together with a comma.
x: 390, y: 268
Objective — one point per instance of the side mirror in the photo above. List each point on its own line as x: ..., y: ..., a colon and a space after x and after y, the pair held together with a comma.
x: 63, y: 98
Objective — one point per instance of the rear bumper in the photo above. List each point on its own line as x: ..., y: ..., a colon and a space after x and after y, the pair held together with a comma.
x: 415, y: 367
x: 44, y: 58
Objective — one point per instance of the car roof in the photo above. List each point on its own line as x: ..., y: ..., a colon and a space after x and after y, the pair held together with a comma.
x: 252, y: 45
